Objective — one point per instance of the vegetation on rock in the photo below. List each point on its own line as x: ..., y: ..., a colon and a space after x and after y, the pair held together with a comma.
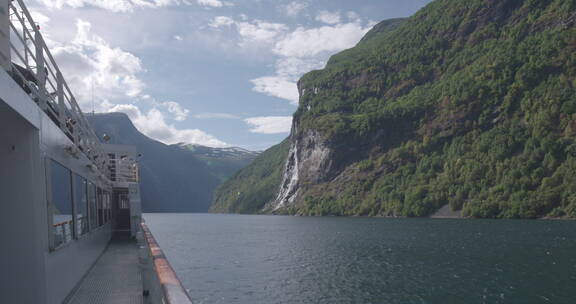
x: 252, y: 187
x: 471, y: 103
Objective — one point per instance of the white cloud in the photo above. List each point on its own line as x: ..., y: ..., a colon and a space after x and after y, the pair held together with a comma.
x: 178, y: 37
x: 255, y: 31
x: 118, y: 6
x: 90, y: 64
x: 270, y: 124
x: 215, y: 116
x: 294, y: 8
x: 353, y: 16
x: 328, y: 17
x: 284, y: 84
x: 154, y: 125
x: 96, y: 70
x: 221, y: 21
x: 259, y: 30
x: 293, y: 67
x: 303, y: 50
x: 40, y: 18
x: 305, y: 42
x: 213, y: 3
x: 298, y: 51
x: 180, y: 114
x: 277, y: 86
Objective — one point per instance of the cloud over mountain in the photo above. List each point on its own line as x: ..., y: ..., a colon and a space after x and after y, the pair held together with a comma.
x: 270, y: 124
x: 153, y: 123
x: 202, y: 64
x: 104, y: 77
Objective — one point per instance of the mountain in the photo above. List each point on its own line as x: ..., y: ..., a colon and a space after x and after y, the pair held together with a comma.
x: 172, y: 179
x: 467, y: 104
x: 254, y: 186
x: 223, y: 162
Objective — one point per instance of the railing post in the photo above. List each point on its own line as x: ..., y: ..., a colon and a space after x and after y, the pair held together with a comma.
x: 60, y: 97
x: 5, y: 59
x: 144, y: 258
x: 40, y: 68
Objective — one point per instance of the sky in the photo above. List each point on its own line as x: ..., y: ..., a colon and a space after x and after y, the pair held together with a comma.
x: 210, y: 72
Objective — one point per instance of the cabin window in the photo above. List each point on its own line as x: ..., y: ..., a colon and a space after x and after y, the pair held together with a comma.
x: 100, y: 207
x: 108, y: 207
x: 105, y: 206
x: 92, y: 203
x: 123, y: 203
x: 81, y: 200
x: 61, y: 206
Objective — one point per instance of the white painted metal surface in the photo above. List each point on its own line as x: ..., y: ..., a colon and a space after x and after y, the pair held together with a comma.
x: 5, y: 61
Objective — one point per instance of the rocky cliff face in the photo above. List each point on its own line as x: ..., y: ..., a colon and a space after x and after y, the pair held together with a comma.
x: 315, y: 157
x: 309, y: 161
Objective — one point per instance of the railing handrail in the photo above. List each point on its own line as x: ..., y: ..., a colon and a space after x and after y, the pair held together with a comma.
x: 63, y: 223
x: 40, y: 63
x: 123, y: 170
x: 173, y: 291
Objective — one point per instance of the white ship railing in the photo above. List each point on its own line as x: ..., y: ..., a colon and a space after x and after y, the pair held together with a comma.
x: 33, y: 67
x: 123, y: 170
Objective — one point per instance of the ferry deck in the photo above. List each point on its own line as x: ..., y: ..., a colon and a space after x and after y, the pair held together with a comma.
x: 71, y: 224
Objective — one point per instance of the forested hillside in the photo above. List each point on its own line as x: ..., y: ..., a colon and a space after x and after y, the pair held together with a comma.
x: 252, y: 187
x: 468, y: 103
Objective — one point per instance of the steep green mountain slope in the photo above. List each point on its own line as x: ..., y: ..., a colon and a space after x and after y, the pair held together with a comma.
x: 255, y: 186
x: 468, y: 103
x: 252, y: 187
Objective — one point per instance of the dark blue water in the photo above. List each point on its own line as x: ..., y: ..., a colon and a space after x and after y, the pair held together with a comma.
x: 276, y: 259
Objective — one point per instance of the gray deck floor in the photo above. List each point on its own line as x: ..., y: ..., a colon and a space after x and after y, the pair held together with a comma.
x: 115, y: 278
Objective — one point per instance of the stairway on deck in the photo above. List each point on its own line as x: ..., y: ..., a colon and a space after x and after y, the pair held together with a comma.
x: 115, y: 278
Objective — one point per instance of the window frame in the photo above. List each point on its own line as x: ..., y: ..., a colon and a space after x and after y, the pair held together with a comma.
x: 51, y: 206
x: 78, y: 202
x: 93, y: 198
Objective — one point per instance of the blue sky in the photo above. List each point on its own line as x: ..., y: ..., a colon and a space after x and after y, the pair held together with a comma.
x: 211, y: 72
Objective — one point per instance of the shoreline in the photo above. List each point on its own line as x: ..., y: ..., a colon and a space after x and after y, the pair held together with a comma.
x: 433, y: 216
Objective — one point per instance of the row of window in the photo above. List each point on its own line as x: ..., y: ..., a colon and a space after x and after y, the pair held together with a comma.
x: 77, y: 206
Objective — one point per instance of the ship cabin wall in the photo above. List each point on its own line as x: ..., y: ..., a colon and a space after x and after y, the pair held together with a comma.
x: 21, y: 218
x: 68, y: 260
x: 40, y: 262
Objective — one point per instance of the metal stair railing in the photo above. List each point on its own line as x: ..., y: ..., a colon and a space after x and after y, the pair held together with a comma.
x: 123, y: 170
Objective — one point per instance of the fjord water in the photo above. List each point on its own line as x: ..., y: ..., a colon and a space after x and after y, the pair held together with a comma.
x: 277, y: 259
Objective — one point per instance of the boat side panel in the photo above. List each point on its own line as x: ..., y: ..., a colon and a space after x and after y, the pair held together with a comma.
x: 66, y: 265
x: 16, y: 98
x: 23, y: 211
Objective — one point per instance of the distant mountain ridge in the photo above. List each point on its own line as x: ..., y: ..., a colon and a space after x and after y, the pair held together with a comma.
x: 223, y: 162
x: 173, y: 178
x: 228, y: 152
